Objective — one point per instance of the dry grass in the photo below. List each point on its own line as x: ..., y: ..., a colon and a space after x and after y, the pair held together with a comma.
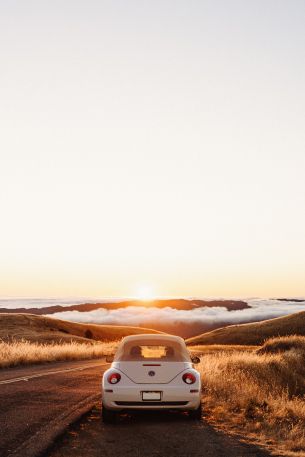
x: 205, y: 349
x: 25, y: 353
x: 45, y: 329
x: 255, y: 333
x: 260, y: 393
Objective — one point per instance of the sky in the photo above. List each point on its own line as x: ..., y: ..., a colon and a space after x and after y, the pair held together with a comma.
x: 152, y: 148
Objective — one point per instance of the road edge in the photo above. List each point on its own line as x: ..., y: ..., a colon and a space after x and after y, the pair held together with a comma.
x: 45, y: 437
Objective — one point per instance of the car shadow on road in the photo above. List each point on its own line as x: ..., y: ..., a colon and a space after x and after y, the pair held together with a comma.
x: 129, y: 418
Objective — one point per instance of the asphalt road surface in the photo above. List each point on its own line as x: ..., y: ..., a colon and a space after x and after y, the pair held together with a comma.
x: 150, y: 435
x: 37, y: 403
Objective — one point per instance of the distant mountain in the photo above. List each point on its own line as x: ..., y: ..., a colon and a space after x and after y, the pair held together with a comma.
x: 294, y: 300
x: 254, y: 333
x: 181, y: 304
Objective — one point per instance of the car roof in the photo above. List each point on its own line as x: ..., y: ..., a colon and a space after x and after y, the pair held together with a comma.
x: 147, y: 339
x: 152, y: 337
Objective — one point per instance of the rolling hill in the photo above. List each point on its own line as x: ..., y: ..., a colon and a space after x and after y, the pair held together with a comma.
x: 45, y: 329
x: 254, y: 333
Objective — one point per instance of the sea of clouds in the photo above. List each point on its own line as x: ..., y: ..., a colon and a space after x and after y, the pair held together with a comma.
x: 260, y: 309
x: 200, y: 318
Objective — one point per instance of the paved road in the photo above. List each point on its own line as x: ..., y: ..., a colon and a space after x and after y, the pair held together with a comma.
x: 150, y: 435
x: 38, y: 402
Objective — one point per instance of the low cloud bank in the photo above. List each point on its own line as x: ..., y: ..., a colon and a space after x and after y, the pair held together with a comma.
x: 204, y: 317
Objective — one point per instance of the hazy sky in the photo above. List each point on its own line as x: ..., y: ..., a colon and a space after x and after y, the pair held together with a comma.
x: 156, y: 144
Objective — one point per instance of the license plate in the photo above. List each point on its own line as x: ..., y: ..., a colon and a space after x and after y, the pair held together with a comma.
x: 152, y: 396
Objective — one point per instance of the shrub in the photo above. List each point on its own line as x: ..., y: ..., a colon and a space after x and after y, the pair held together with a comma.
x: 88, y: 334
x: 283, y: 344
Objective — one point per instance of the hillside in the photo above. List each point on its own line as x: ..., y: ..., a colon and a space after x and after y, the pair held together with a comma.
x: 254, y: 333
x: 44, y: 329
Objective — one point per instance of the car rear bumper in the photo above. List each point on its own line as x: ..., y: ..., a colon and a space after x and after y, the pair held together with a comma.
x: 172, y: 397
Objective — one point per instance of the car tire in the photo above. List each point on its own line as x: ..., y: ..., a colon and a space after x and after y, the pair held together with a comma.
x: 109, y: 416
x: 195, y: 414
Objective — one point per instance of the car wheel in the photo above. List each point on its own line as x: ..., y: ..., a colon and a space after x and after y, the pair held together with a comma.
x: 108, y: 416
x: 196, y: 413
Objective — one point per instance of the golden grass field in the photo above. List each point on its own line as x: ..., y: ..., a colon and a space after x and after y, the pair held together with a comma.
x: 202, y: 350
x: 27, y: 339
x: 15, y: 353
x: 253, y: 334
x: 45, y: 329
x: 259, y: 394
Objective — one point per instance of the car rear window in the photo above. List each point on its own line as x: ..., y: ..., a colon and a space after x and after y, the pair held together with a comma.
x: 137, y: 351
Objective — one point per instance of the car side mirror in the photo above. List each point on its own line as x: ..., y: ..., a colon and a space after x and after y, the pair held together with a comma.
x: 195, y: 359
x: 109, y: 358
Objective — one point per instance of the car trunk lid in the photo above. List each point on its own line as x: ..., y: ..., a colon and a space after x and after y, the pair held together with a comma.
x: 152, y: 372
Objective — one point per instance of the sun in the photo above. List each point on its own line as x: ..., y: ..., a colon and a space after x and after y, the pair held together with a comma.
x: 145, y: 293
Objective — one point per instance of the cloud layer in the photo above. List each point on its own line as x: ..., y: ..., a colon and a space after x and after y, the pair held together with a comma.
x: 160, y: 317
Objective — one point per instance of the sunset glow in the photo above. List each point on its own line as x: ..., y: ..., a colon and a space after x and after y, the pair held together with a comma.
x: 172, y: 154
x: 145, y: 293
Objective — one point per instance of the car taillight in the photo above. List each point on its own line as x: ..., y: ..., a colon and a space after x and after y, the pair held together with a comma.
x: 189, y: 378
x: 114, y: 378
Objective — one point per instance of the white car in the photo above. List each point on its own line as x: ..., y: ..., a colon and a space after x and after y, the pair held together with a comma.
x: 151, y: 372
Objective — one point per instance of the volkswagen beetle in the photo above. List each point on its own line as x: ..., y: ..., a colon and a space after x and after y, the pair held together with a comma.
x: 151, y: 372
